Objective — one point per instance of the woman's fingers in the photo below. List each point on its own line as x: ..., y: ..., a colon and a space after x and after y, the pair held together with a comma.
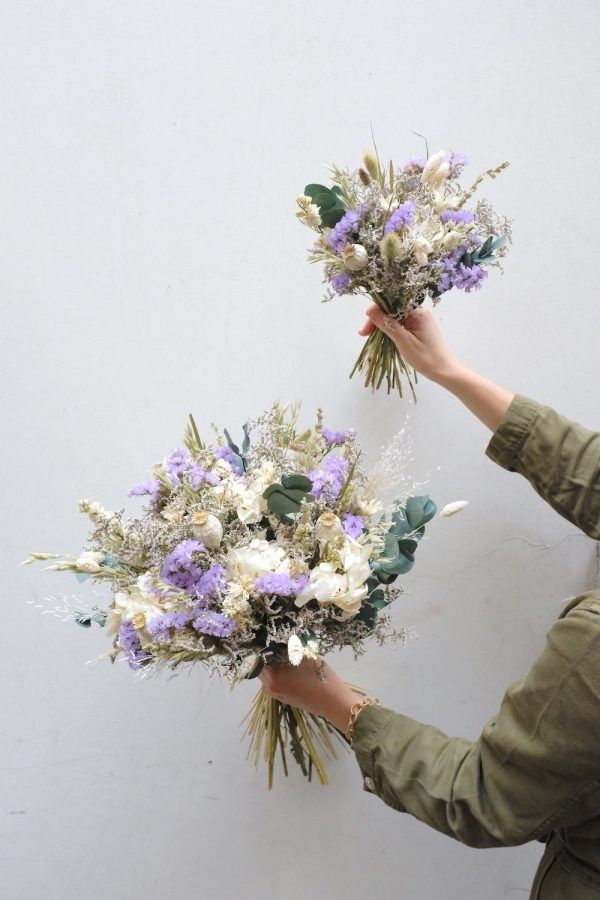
x: 367, y: 328
x: 390, y: 326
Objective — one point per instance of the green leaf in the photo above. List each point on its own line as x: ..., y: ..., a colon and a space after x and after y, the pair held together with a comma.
x: 331, y: 217
x: 420, y: 510
x: 336, y: 189
x: 313, y: 190
x: 285, y: 499
x: 297, y: 482
x: 325, y: 201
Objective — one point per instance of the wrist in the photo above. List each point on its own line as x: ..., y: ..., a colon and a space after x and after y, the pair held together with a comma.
x: 339, y: 709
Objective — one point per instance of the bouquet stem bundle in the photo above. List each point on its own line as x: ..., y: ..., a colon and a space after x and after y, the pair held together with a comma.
x: 274, y: 726
x: 379, y: 359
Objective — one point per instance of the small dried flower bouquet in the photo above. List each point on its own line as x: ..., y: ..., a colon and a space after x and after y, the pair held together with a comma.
x: 265, y: 553
x: 401, y: 236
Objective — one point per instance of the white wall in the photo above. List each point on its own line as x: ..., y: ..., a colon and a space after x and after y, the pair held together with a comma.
x: 152, y: 265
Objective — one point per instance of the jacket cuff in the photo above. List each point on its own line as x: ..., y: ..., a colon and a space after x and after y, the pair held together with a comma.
x: 369, y: 727
x: 507, y: 441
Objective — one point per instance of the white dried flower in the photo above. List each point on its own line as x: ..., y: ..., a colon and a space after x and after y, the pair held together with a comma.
x: 295, y: 650
x: 436, y: 170
x: 451, y: 240
x: 207, y: 528
x: 346, y: 589
x: 452, y: 508
x: 89, y: 562
x: 311, y: 650
x: 309, y: 212
x: 354, y: 257
x: 422, y: 248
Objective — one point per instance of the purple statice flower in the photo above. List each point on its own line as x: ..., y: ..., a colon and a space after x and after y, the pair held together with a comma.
x: 229, y: 456
x: 199, y: 476
x: 129, y: 641
x: 457, y: 215
x: 280, y: 583
x: 340, y: 283
x: 180, y: 569
x: 214, y: 624
x: 211, y: 583
x: 179, y: 461
x: 403, y: 215
x: 151, y: 487
x: 353, y: 525
x: 333, y: 437
x: 160, y: 627
x: 415, y: 163
x: 457, y: 162
x: 338, y: 236
x: 328, y: 481
x: 467, y: 278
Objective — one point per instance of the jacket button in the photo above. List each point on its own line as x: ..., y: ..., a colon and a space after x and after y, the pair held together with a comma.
x: 369, y: 784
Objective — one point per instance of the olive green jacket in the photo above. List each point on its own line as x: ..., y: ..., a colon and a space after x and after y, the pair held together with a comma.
x: 534, y: 773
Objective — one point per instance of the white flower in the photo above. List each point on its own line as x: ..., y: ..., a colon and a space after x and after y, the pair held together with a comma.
x: 328, y: 526
x: 436, y: 170
x: 362, y: 505
x: 311, y: 650
x: 138, y: 607
x: 89, y: 561
x: 452, y: 508
x: 354, y: 257
x: 259, y: 557
x: 248, y: 498
x: 346, y: 589
x: 422, y: 248
x: 235, y: 601
x: 452, y: 239
x: 295, y: 650
x: 207, y: 528
x: 309, y: 212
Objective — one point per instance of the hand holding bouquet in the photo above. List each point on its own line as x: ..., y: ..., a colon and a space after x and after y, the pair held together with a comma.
x: 274, y: 551
x: 401, y: 236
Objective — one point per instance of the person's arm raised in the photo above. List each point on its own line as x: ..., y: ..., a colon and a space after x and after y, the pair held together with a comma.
x: 420, y: 341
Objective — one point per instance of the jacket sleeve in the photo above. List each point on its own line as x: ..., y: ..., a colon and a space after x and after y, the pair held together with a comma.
x: 530, y: 768
x: 559, y: 458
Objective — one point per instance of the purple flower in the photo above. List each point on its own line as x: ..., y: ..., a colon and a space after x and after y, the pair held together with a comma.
x: 129, y: 642
x: 457, y: 162
x: 338, y: 237
x: 457, y: 215
x: 404, y: 215
x: 456, y: 274
x: 211, y: 583
x: 179, y: 461
x: 414, y: 164
x: 353, y: 525
x: 328, y: 481
x: 229, y: 456
x: 280, y: 583
x: 214, y: 624
x: 333, y: 437
x: 180, y: 569
x: 340, y: 282
x: 198, y: 476
x: 466, y: 278
x: 151, y: 487
x: 160, y: 627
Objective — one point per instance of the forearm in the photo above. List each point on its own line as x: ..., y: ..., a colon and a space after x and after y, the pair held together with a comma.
x: 488, y: 401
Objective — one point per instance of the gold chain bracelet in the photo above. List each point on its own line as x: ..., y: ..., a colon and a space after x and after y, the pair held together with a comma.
x: 355, y: 709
